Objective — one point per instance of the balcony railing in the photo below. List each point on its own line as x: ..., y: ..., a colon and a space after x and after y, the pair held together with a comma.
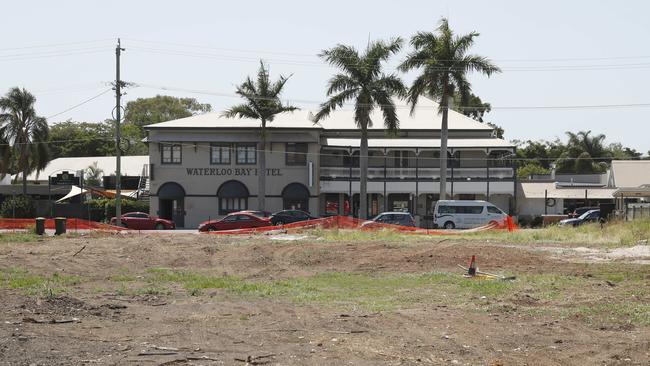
x: 422, y: 173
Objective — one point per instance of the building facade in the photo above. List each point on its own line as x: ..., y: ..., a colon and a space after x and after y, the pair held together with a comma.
x: 206, y: 166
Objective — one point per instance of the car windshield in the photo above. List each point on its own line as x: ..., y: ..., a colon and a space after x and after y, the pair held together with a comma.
x: 586, y: 214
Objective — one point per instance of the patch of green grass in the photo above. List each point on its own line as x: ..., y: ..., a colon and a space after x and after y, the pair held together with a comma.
x: 356, y: 235
x: 372, y: 291
x: 19, y: 237
x: 122, y: 278
x: 612, y: 234
x: 34, y: 284
x: 614, y: 313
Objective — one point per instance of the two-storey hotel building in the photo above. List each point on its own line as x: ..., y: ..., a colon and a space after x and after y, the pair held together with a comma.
x: 206, y: 166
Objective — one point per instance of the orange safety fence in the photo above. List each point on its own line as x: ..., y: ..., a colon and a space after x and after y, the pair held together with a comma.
x: 71, y: 224
x: 347, y: 222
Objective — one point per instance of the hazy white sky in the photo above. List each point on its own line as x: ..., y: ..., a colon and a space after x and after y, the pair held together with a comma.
x: 552, y: 52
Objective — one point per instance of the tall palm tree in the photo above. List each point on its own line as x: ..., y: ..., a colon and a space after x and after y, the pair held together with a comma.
x: 262, y: 103
x: 26, y: 135
x: 442, y: 57
x: 363, y: 81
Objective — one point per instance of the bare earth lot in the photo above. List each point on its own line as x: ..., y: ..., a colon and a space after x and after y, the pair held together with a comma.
x: 156, y: 299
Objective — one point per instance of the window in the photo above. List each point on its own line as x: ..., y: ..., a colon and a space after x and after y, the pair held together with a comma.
x: 228, y: 205
x: 296, y: 153
x: 401, y: 159
x: 220, y: 154
x: 243, y: 218
x: 246, y: 154
x: 494, y: 210
x: 460, y: 209
x: 171, y: 153
x: 231, y: 218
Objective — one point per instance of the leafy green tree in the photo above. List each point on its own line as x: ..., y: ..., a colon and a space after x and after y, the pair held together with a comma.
x: 70, y: 139
x: 541, y: 152
x: 475, y: 108
x: 262, y: 102
x: 528, y: 169
x: 620, y: 152
x: 161, y: 108
x: 26, y: 134
x: 363, y: 82
x: 442, y: 57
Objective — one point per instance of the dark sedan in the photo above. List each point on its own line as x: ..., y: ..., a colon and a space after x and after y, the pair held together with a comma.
x: 589, y: 216
x: 235, y: 220
x: 289, y: 216
x: 143, y: 221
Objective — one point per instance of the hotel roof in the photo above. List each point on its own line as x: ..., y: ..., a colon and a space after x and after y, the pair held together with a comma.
x: 425, y: 117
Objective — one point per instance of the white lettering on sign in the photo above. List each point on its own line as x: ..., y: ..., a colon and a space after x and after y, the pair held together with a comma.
x: 274, y: 172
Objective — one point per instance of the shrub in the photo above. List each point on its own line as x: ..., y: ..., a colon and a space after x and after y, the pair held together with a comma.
x: 107, y: 205
x: 19, y: 207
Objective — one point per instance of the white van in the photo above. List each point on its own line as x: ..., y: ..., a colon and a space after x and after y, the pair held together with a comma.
x: 451, y: 214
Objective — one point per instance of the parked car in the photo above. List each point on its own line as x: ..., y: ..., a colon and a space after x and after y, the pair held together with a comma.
x: 143, y: 221
x: 235, y: 220
x: 289, y: 216
x: 462, y: 214
x: 258, y: 213
x: 580, y: 210
x: 589, y: 216
x: 393, y: 218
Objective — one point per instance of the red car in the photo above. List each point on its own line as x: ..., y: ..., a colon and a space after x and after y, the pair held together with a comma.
x: 235, y: 220
x: 144, y: 221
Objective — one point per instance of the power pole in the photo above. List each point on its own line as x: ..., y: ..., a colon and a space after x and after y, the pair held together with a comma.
x: 118, y: 143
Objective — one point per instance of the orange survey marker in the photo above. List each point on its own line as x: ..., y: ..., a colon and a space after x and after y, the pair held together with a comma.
x: 472, y: 269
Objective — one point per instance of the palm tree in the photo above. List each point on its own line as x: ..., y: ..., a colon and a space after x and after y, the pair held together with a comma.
x: 263, y: 103
x: 26, y: 135
x: 583, y: 141
x: 444, y: 61
x: 363, y: 82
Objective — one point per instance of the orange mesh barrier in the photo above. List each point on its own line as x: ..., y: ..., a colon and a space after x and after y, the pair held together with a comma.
x: 347, y: 222
x: 71, y: 224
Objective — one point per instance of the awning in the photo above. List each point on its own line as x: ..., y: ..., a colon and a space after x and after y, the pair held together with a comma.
x: 420, y: 143
x: 643, y: 191
x: 551, y: 190
x: 76, y: 191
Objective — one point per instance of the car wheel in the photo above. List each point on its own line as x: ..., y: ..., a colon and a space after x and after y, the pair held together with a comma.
x: 160, y: 226
x: 124, y: 225
x: 279, y: 223
x: 449, y: 225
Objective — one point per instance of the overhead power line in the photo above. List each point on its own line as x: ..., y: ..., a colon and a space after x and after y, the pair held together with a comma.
x: 80, y: 104
x: 56, y: 44
x: 493, y: 107
x: 529, y: 68
x: 315, y: 54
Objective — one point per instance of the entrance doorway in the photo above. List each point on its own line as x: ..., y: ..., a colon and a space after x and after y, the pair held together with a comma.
x: 295, y: 196
x: 171, y: 203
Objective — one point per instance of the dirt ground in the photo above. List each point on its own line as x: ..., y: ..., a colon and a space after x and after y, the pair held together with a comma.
x: 122, y: 301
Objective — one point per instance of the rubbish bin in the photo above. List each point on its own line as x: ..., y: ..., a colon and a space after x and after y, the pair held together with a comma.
x: 59, y: 225
x: 40, y: 225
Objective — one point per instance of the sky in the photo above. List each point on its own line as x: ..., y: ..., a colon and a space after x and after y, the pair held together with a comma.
x: 553, y: 53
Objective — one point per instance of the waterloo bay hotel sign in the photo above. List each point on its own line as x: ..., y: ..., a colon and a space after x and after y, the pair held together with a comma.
x: 232, y: 172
